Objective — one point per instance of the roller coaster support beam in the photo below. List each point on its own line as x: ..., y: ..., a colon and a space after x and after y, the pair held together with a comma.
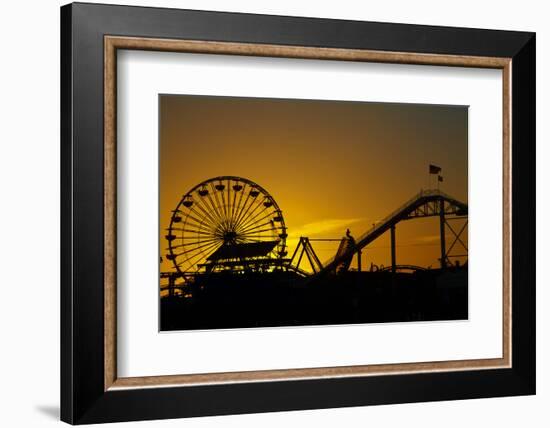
x: 442, y: 233
x: 392, y: 234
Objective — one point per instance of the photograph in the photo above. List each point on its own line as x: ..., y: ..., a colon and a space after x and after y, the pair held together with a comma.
x: 293, y: 212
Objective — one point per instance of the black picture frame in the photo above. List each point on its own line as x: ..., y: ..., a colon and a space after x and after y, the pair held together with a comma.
x: 83, y: 396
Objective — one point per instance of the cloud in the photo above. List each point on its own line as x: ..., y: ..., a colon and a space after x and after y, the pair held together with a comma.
x: 336, y: 225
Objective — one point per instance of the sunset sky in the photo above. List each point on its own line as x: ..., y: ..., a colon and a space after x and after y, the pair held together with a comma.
x: 329, y: 165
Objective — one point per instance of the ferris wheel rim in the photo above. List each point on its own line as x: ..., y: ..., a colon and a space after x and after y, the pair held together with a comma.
x: 281, y: 241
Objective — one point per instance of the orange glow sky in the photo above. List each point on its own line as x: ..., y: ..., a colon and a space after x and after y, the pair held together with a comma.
x: 329, y: 165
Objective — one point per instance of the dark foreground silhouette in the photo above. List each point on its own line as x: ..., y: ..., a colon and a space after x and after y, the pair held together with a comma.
x: 276, y: 299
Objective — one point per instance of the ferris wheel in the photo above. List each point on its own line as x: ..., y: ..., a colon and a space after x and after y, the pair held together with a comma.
x: 225, y: 223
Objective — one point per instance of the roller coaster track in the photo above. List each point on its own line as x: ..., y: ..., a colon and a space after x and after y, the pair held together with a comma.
x: 426, y: 203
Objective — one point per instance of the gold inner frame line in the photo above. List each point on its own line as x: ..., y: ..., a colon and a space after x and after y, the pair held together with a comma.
x: 113, y: 43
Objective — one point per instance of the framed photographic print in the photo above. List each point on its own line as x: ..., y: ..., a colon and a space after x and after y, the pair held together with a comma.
x: 265, y: 213
x: 230, y: 256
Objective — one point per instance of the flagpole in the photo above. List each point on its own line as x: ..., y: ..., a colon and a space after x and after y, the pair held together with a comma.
x: 434, y: 170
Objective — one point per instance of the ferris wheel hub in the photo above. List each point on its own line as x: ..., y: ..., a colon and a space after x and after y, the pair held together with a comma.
x: 230, y: 237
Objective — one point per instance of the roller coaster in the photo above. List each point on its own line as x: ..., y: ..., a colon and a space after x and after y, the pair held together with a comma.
x: 232, y: 226
x: 426, y: 203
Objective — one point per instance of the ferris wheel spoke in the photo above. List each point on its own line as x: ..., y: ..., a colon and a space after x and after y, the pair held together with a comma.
x: 230, y: 205
x: 256, y: 226
x: 269, y: 214
x: 207, y: 206
x: 257, y: 231
x: 255, y: 212
x: 239, y: 207
x: 199, y: 232
x: 189, y: 255
x: 252, y: 220
x: 246, y: 212
x: 247, y: 240
x: 249, y: 216
x: 256, y: 238
x: 255, y: 220
x: 195, y: 223
x: 186, y: 244
x: 198, y: 238
x: 194, y: 259
x: 224, y: 206
x: 200, y: 250
x: 196, y: 248
x: 194, y: 215
x: 233, y: 208
x: 190, y: 228
x: 219, y: 204
x: 216, y: 209
x: 204, y: 227
x: 262, y: 236
x: 194, y: 234
x: 190, y: 216
x: 246, y: 207
x: 253, y: 201
x: 205, y: 213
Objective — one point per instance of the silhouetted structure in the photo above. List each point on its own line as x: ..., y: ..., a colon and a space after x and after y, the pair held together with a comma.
x: 227, y: 241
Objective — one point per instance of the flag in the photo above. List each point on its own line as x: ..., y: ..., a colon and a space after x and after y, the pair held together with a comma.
x: 439, y: 178
x: 434, y: 169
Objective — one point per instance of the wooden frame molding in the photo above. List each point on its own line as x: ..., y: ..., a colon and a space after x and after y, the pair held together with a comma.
x: 113, y: 43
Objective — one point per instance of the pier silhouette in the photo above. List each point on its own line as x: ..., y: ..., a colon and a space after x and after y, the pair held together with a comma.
x: 231, y: 265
